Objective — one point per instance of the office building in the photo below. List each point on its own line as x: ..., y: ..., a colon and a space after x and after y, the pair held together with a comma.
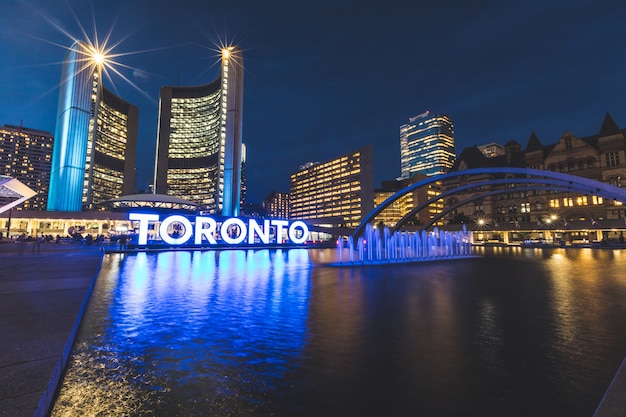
x: 199, y: 149
x: 491, y: 150
x: 427, y: 145
x: 277, y: 205
x: 391, y: 215
x: 93, y: 157
x: 340, y: 191
x: 26, y: 155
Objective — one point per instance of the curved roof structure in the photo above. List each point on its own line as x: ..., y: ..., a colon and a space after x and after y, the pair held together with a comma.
x: 155, y: 201
x: 10, y: 188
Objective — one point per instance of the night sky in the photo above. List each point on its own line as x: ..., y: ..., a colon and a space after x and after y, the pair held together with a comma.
x: 326, y: 77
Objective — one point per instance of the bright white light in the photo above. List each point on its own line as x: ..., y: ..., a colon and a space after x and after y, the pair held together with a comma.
x: 98, y: 58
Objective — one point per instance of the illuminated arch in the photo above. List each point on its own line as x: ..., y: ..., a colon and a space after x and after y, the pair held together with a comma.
x: 533, y: 178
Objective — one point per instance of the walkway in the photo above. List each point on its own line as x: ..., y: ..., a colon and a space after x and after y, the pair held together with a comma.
x: 41, y: 299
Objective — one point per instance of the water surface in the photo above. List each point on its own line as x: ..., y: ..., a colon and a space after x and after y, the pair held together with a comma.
x: 518, y: 332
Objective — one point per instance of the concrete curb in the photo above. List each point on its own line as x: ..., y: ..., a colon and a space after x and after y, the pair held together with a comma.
x: 613, y: 403
x: 45, y: 404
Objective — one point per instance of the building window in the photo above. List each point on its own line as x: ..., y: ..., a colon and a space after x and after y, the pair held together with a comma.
x: 525, y: 207
x: 581, y: 165
x: 589, y: 163
x: 552, y: 167
x: 538, y: 205
x: 568, y: 144
x: 570, y: 166
x: 561, y: 168
x: 612, y: 158
x: 616, y: 180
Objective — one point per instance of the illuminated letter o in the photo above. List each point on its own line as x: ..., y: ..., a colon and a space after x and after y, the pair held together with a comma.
x: 233, y: 221
x: 292, y: 232
x: 175, y: 240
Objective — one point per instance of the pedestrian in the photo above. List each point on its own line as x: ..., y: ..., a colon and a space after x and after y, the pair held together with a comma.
x: 37, y: 245
x: 122, y: 240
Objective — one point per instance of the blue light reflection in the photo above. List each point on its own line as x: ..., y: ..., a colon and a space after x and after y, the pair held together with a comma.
x: 199, y: 325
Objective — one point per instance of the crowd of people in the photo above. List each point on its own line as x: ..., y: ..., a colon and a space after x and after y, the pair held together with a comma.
x: 75, y: 238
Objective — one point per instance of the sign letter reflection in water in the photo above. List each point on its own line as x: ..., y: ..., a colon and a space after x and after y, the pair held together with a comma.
x: 530, y: 332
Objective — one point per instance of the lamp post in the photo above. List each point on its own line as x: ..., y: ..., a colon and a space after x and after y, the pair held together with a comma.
x: 9, y: 224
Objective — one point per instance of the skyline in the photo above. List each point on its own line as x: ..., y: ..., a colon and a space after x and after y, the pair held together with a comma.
x: 326, y: 79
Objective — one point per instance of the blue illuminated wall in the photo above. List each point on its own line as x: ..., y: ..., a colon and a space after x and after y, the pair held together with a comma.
x: 232, y: 87
x: 71, y: 137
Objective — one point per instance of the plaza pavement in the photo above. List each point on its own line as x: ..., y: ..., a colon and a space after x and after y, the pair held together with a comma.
x: 42, y: 296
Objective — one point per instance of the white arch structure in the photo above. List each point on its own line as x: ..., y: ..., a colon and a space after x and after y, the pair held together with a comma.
x: 524, y: 179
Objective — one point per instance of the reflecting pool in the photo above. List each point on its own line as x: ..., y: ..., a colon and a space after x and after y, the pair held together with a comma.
x: 517, y: 332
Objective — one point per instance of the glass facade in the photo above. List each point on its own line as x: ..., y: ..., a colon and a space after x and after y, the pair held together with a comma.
x: 199, y: 150
x: 341, y: 188
x: 26, y: 155
x: 427, y: 145
x: 194, y: 145
x: 277, y: 205
x: 109, y: 171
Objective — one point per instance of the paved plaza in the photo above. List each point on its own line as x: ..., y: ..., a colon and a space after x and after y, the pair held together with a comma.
x: 41, y: 297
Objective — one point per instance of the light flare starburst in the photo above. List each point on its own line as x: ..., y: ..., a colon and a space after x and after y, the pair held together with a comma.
x: 98, y: 53
x: 222, y: 51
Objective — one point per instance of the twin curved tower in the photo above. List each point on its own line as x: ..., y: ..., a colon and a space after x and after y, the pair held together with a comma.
x: 198, y: 151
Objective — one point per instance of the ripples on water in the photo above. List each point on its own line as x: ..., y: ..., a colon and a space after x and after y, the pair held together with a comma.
x: 265, y: 333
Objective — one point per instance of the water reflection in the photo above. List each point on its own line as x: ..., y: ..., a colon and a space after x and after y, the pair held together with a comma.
x: 518, y: 332
x: 203, y: 333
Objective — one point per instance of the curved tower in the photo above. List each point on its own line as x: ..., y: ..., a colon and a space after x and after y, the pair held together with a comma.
x: 199, y: 149
x: 95, y: 137
x: 78, y: 95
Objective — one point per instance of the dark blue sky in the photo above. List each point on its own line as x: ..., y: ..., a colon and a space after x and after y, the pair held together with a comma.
x: 326, y: 77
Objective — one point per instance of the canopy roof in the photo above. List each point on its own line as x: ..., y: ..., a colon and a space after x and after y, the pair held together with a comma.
x: 10, y: 188
x: 157, y: 201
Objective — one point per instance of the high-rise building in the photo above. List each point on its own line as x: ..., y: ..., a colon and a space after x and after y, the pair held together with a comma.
x: 199, y: 149
x: 427, y: 145
x: 26, y: 155
x: 277, y: 205
x: 341, y: 190
x: 93, y: 158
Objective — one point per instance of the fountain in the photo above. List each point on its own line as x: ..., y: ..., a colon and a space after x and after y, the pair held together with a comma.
x: 378, y: 247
